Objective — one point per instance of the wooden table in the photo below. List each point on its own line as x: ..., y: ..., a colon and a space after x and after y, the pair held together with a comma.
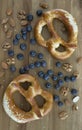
x: 51, y: 121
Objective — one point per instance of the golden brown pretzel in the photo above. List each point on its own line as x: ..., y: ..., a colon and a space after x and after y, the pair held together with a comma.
x: 55, y: 41
x: 18, y: 114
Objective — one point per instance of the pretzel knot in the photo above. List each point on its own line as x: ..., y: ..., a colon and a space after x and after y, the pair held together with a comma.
x: 55, y: 41
x: 34, y: 89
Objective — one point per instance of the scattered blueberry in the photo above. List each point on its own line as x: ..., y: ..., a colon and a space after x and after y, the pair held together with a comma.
x: 73, y: 78
x: 37, y: 64
x: 22, y: 70
x: 60, y: 103
x: 23, y: 46
x: 29, y: 28
x: 60, y: 74
x: 30, y: 17
x: 74, y: 92
x: 11, y: 53
x: 48, y: 85
x: 32, y: 53
x: 58, y: 64
x: 39, y: 12
x: 26, y: 67
x: 24, y: 36
x: 43, y: 63
x: 60, y: 82
x: 66, y: 78
x: 20, y: 56
x: 40, y: 56
x: 24, y: 31
x: 56, y: 98
x: 12, y: 68
x: 33, y: 41
x: 49, y: 72
x: 45, y: 76
x: 41, y: 74
x: 54, y: 77
x: 15, y: 41
x: 31, y: 65
x: 18, y: 36
x: 57, y: 86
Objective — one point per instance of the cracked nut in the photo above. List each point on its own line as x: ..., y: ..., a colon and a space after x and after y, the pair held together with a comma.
x: 75, y: 107
x: 4, y: 21
x: 79, y: 59
x: 5, y: 28
x: 4, y: 65
x: 10, y: 61
x: 67, y: 102
x: 24, y: 22
x: 44, y: 5
x: 64, y: 91
x: 9, y: 34
x: 67, y: 67
x: 63, y: 115
x: 6, y: 45
x: 12, y: 22
x: 9, y: 11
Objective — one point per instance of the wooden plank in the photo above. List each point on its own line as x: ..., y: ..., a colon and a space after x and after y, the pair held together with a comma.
x: 51, y: 121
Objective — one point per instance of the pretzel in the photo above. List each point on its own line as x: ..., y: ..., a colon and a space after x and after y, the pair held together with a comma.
x: 55, y: 41
x: 34, y: 89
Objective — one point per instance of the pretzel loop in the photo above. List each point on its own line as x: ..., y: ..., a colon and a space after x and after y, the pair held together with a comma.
x: 34, y: 89
x: 53, y: 43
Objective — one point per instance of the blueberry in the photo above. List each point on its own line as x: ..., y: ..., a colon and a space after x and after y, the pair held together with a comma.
x: 58, y: 64
x: 74, y: 92
x: 24, y: 31
x: 30, y: 17
x: 29, y: 28
x: 33, y: 41
x: 54, y: 77
x: 15, y: 41
x: 18, y: 36
x: 39, y: 12
x: 66, y: 78
x: 12, y: 68
x: 56, y: 98
x: 41, y: 74
x: 32, y: 53
x: 22, y: 70
x: 45, y: 76
x: 60, y: 74
x: 24, y: 36
x: 40, y: 55
x: 60, y: 103
x: 57, y: 86
x: 11, y: 53
x: 37, y: 64
x: 20, y: 56
x: 43, y: 63
x: 73, y: 78
x: 49, y: 72
x: 31, y: 65
x: 48, y: 85
x: 60, y: 82
x: 26, y: 67
x: 23, y: 46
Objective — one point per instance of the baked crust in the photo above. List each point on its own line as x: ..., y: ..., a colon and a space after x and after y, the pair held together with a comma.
x: 18, y: 114
x: 55, y: 41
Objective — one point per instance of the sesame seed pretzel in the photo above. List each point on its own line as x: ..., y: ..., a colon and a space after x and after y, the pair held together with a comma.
x: 34, y: 89
x: 55, y: 41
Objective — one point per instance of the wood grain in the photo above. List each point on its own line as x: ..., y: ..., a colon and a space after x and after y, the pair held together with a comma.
x: 51, y: 121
